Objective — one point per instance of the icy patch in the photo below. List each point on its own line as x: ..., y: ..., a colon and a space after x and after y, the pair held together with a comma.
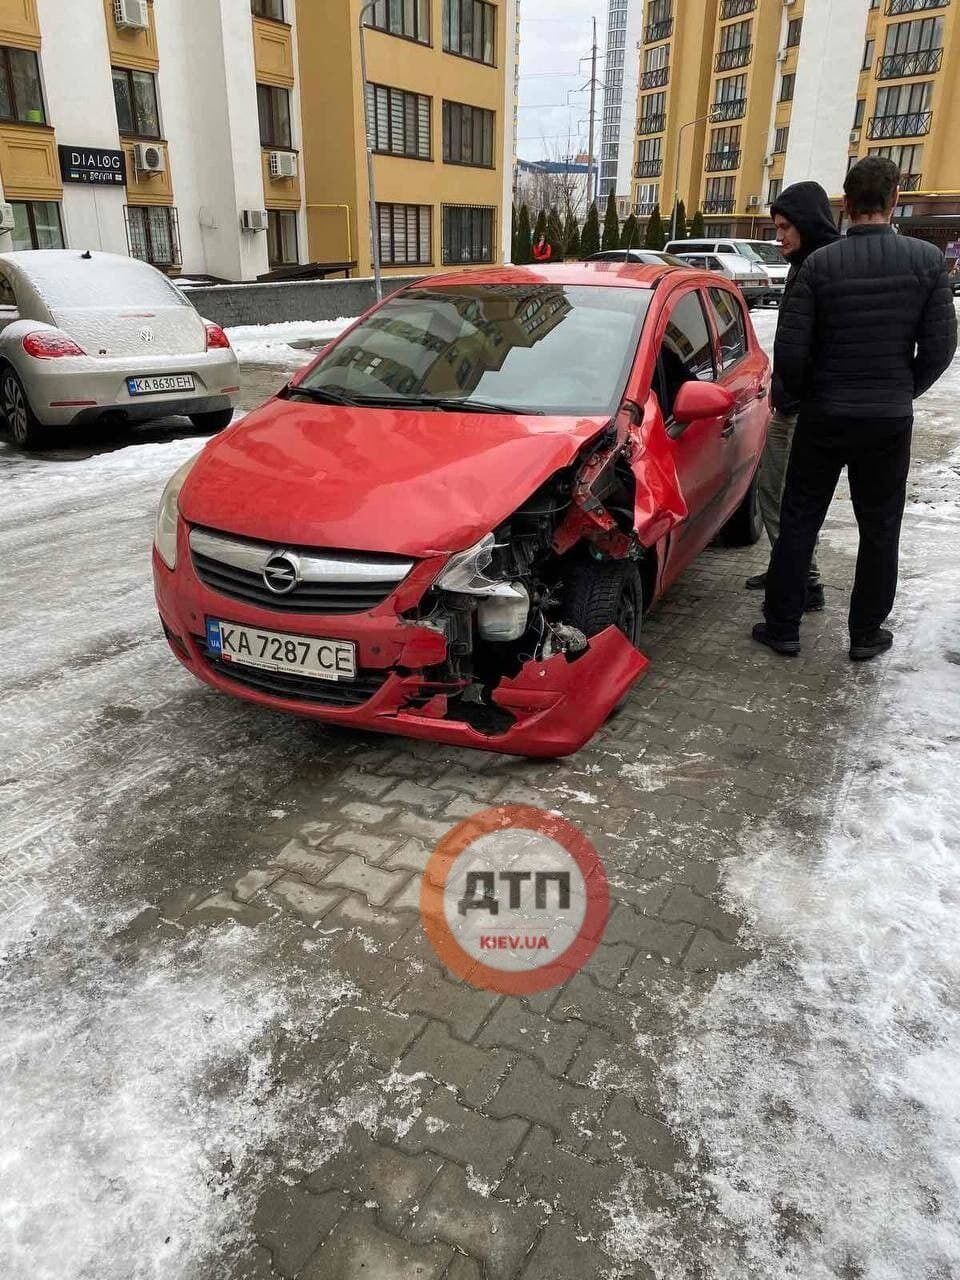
x: 270, y: 343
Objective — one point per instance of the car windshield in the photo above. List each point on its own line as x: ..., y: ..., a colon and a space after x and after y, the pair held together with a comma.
x: 535, y: 348
x: 767, y: 251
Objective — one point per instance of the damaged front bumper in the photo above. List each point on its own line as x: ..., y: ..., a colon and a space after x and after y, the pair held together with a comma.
x: 552, y: 706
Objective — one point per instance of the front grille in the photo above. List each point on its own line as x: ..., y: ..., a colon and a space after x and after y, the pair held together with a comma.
x: 327, y: 583
x: 286, y: 684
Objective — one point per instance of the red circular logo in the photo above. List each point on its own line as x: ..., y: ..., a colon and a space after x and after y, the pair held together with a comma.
x: 514, y: 900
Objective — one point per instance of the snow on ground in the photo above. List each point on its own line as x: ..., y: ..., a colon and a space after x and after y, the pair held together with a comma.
x: 818, y: 1085
x: 270, y: 343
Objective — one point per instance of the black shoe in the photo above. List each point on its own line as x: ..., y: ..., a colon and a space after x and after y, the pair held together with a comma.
x: 786, y: 648
x: 757, y: 582
x: 814, y: 602
x: 869, y: 644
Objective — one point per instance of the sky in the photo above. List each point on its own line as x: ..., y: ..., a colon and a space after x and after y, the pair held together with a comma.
x: 554, y: 36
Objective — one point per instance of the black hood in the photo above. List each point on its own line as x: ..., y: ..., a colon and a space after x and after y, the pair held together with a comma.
x: 807, y: 206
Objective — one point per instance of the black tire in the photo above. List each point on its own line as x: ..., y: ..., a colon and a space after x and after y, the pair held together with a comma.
x: 212, y: 422
x: 745, y: 526
x: 604, y: 593
x: 21, y: 420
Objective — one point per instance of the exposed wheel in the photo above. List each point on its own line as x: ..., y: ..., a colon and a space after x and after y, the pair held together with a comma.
x: 23, y: 425
x: 216, y: 421
x: 604, y: 593
x: 745, y: 526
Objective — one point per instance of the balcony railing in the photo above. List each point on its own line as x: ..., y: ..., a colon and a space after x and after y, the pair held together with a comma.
x: 654, y: 79
x: 895, y: 66
x: 719, y: 206
x: 645, y: 209
x: 648, y: 169
x: 914, y: 125
x: 910, y: 181
x: 914, y: 6
x: 651, y: 124
x: 736, y: 8
x: 738, y: 56
x: 721, y: 160
x: 654, y: 31
x: 735, y: 109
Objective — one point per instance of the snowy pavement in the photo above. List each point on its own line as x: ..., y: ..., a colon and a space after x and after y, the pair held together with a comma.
x: 227, y: 1052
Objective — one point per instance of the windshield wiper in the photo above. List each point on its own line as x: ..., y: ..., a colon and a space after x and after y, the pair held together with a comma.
x: 447, y: 404
x: 321, y: 395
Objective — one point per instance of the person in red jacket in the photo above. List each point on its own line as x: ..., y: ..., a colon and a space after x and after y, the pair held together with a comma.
x: 542, y: 252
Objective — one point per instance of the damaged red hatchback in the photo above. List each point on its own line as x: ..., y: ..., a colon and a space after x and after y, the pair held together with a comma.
x: 451, y: 524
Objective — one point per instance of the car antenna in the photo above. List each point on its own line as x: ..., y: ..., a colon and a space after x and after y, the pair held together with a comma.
x: 86, y: 255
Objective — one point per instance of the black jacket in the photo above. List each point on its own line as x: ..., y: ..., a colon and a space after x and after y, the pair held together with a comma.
x: 807, y: 206
x: 869, y: 325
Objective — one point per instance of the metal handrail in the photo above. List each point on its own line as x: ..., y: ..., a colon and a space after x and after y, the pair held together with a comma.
x: 914, y: 124
x: 922, y: 62
x: 738, y: 56
x: 722, y: 160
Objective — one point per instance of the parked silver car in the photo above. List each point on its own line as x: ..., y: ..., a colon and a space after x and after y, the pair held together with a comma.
x: 750, y: 277
x: 84, y: 335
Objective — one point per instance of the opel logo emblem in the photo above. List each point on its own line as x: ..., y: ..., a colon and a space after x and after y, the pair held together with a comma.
x: 145, y: 334
x: 281, y: 573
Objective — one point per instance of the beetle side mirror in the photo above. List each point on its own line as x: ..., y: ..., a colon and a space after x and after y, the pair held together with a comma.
x: 698, y: 400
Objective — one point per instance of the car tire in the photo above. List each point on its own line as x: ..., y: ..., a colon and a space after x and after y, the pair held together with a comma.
x: 604, y: 593
x: 21, y: 420
x: 212, y: 422
x: 745, y: 526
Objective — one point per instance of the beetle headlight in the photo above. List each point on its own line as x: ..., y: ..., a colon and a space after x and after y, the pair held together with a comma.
x: 165, y: 538
x: 466, y: 571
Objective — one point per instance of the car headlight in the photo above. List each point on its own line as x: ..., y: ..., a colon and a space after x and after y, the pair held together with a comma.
x: 165, y: 538
x: 466, y: 571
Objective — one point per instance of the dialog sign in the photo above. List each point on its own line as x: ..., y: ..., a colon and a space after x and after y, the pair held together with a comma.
x: 95, y: 165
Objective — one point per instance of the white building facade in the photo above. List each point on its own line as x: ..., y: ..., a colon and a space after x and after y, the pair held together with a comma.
x: 619, y: 113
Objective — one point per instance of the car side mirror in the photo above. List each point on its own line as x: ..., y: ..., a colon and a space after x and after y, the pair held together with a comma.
x: 698, y: 400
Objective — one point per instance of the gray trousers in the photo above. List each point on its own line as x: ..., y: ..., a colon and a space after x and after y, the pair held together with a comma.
x: 772, y: 474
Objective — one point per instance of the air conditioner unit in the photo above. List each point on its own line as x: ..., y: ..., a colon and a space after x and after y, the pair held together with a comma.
x: 753, y: 200
x: 283, y: 164
x: 7, y: 220
x: 854, y: 137
x: 149, y: 158
x: 254, y: 220
x: 132, y: 13
x: 782, y: 55
x: 768, y: 161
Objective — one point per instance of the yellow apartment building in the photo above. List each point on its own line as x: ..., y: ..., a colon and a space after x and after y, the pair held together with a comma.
x: 440, y: 93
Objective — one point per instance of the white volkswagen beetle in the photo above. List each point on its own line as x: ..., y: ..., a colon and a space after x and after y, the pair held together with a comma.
x: 84, y: 335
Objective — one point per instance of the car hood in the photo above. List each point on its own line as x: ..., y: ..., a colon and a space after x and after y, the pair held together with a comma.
x: 409, y: 482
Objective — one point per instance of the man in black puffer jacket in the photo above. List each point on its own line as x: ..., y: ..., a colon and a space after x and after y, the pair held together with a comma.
x: 869, y: 325
x: 804, y: 223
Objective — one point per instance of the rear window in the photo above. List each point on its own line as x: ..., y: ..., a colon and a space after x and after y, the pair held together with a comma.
x: 541, y: 348
x: 69, y: 282
x: 762, y: 251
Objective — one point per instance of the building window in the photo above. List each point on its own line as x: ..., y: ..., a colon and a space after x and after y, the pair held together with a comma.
x: 153, y: 234
x: 409, y: 18
x: 787, y: 84
x: 467, y: 233
x: 267, y: 9
x: 858, y: 112
x: 780, y: 140
x: 719, y: 196
x: 283, y: 249
x: 21, y: 97
x: 794, y: 27
x: 405, y: 234
x: 135, y: 93
x: 469, y: 28
x: 467, y: 135
x: 37, y: 225
x: 867, y: 55
x: 273, y: 105
x: 908, y: 160
x: 399, y: 122
x: 774, y: 187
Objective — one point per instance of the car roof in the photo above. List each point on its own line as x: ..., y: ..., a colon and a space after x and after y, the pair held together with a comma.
x: 629, y: 275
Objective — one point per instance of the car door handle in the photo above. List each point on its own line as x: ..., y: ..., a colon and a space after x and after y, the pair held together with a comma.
x: 729, y: 427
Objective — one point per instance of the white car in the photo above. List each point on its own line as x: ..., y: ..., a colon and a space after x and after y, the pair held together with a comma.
x: 750, y: 277
x: 87, y: 335
x: 764, y: 252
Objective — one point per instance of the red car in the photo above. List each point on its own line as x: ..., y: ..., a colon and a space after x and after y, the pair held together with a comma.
x: 451, y: 524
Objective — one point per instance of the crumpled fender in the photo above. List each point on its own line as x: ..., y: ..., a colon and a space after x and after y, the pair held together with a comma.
x: 659, y: 504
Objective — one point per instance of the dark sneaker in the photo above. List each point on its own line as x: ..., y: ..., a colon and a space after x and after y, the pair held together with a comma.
x: 870, y: 644
x: 814, y: 602
x: 786, y: 648
x: 757, y: 582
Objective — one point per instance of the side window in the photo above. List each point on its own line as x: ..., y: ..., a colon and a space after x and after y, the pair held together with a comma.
x: 686, y: 351
x: 7, y: 296
x: 729, y: 319
x: 725, y: 248
x: 714, y: 264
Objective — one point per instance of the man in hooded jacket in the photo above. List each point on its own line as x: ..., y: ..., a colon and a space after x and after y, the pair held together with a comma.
x: 804, y: 223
